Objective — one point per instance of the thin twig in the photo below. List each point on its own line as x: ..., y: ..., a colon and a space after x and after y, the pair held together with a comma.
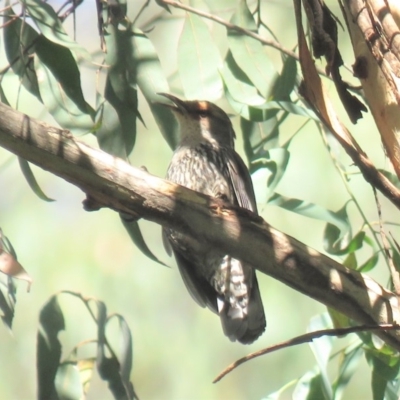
x: 306, y: 338
x: 229, y: 25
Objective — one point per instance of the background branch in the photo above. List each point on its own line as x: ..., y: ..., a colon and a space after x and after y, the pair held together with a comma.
x: 113, y: 183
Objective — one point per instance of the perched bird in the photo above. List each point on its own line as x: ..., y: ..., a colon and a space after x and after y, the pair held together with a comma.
x: 205, y: 161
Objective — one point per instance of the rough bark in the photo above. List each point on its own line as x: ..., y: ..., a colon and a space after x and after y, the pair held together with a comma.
x: 111, y: 182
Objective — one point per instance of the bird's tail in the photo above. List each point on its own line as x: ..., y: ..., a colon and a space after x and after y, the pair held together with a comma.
x: 239, y: 304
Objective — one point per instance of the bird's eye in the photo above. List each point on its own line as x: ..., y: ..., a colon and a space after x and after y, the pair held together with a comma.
x: 203, y: 114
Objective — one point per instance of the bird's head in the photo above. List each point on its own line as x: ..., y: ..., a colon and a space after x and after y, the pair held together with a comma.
x: 201, y: 121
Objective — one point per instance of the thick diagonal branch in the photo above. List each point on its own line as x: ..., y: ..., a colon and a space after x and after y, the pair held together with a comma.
x: 113, y: 183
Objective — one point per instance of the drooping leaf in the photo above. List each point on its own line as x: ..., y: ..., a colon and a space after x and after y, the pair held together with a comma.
x: 288, y: 106
x: 109, y: 366
x: 249, y: 53
x: 309, y: 387
x: 378, y: 384
x: 250, y: 113
x: 125, y: 359
x: 136, y: 235
x: 238, y: 84
x: 32, y: 182
x: 49, y: 348
x: 350, y: 359
x: 259, y: 138
x: 284, y: 83
x: 60, y: 106
x: 62, y: 64
x: 198, y: 60
x: 151, y: 80
x: 50, y: 26
x: 369, y: 264
x: 321, y: 349
x: 338, y: 230
x: 119, y: 113
x: 268, y: 171
x: 19, y: 44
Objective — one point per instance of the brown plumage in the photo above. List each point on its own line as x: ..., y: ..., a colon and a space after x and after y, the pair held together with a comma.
x: 205, y: 161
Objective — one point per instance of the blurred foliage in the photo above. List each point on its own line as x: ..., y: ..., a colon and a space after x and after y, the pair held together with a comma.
x: 45, y: 60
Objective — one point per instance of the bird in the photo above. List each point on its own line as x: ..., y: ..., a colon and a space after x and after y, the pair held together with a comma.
x: 205, y: 161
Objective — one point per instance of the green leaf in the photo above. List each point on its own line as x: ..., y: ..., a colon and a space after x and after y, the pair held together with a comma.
x: 60, y: 106
x: 275, y: 162
x: 288, y: 106
x: 238, y: 84
x: 378, y: 383
x: 198, y: 60
x: 60, y: 61
x: 49, y: 348
x: 339, y: 320
x: 118, y: 115
x: 109, y: 367
x: 350, y: 261
x: 50, y: 25
x: 369, y: 264
x: 321, y: 349
x: 136, y: 235
x: 32, y: 182
x: 125, y: 359
x: 249, y: 53
x: 309, y: 387
x: 259, y: 138
x: 19, y: 44
x: 338, y: 230
x: 248, y: 112
x: 349, y: 363
x: 285, y: 82
x: 151, y: 80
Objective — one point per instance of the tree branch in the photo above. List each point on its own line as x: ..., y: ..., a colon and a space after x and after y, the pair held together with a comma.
x: 113, y: 183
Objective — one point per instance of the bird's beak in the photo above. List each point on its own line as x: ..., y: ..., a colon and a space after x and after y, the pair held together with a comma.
x: 179, y: 105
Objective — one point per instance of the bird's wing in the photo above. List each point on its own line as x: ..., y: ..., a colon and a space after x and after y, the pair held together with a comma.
x: 198, y: 287
x: 241, y: 181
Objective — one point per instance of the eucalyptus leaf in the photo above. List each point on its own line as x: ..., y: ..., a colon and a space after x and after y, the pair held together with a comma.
x: 238, y: 84
x: 119, y: 113
x: 62, y: 64
x: 288, y: 106
x: 19, y: 44
x: 62, y: 108
x: 32, y: 182
x: 198, y: 60
x: 321, y: 349
x: 137, y: 237
x: 50, y: 26
x: 151, y: 80
x: 338, y: 230
x: 249, y: 53
x: 259, y: 138
x: 275, y: 161
x: 285, y: 83
x: 309, y: 387
x: 49, y: 348
x: 349, y: 362
x: 248, y: 112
